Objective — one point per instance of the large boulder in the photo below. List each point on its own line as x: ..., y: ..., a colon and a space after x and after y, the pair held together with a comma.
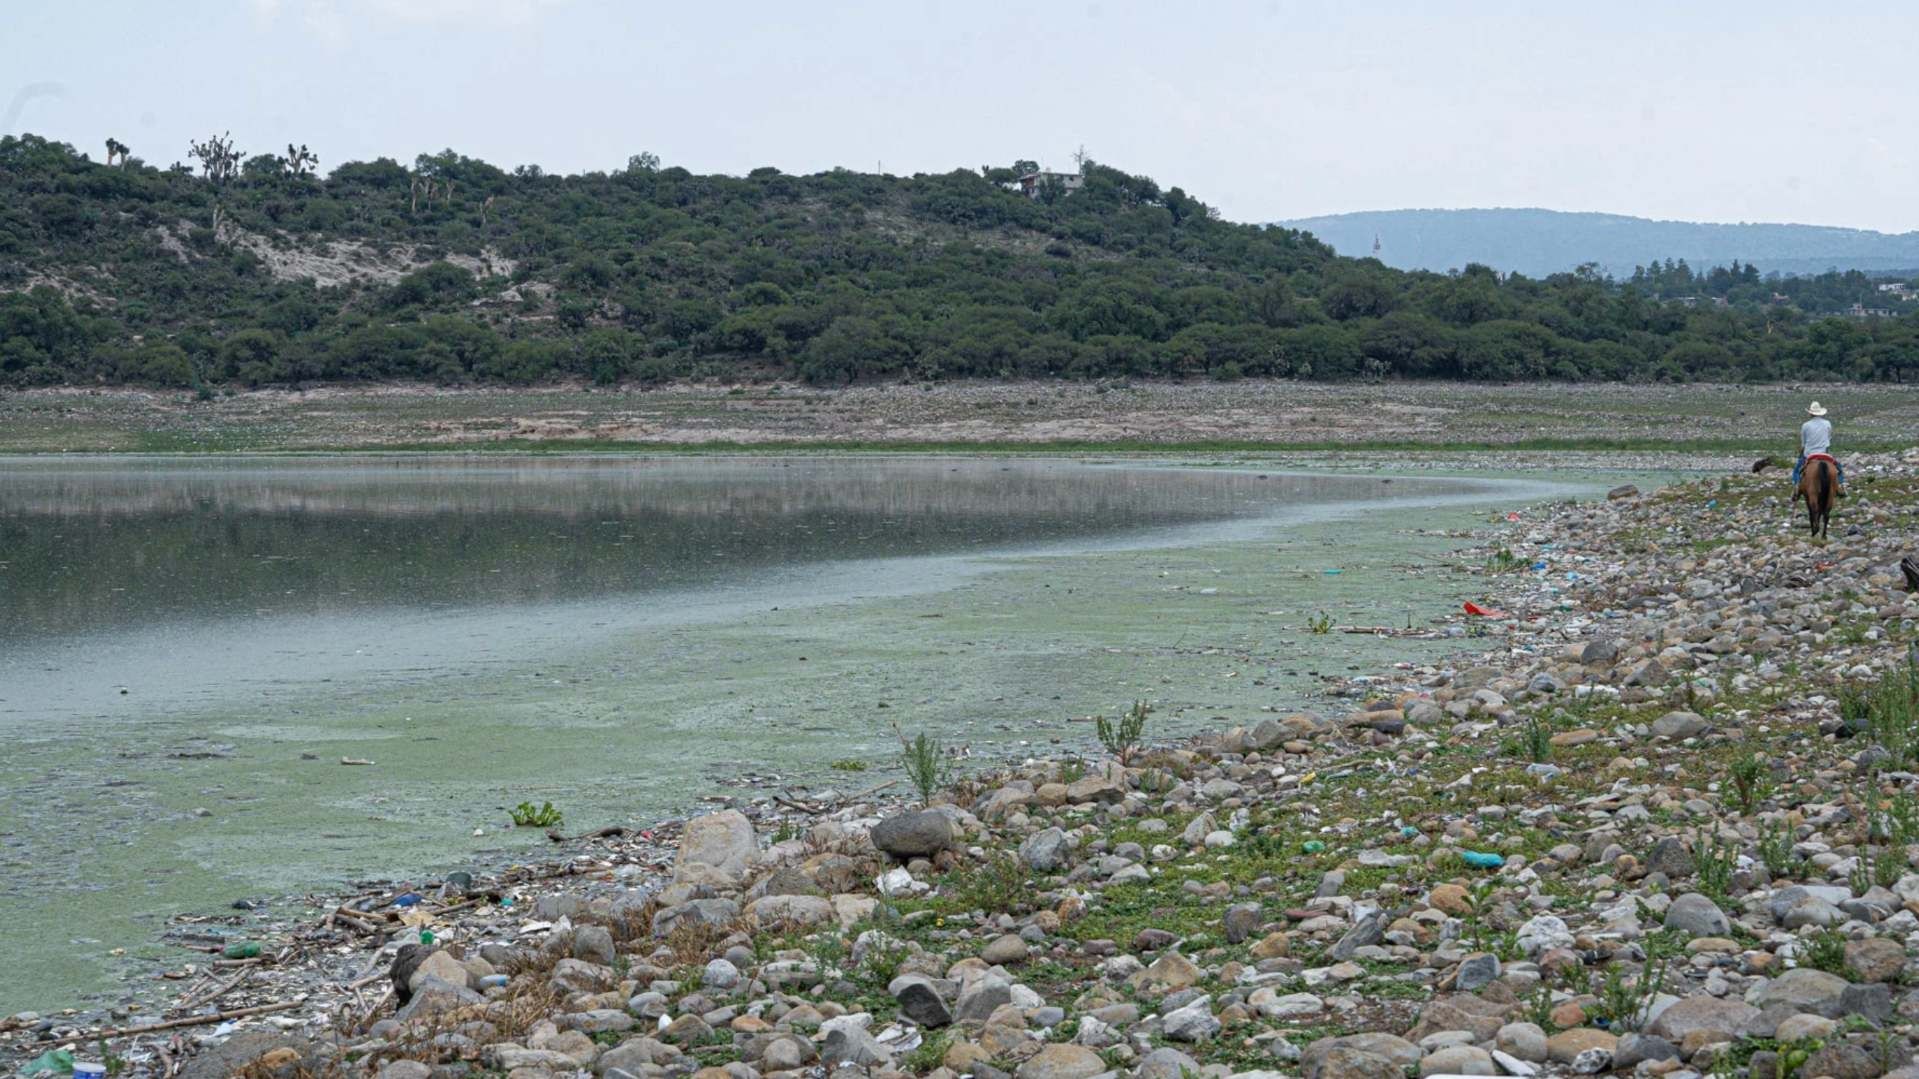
x: 1044, y: 851
x: 1062, y: 1062
x: 1733, y: 1018
x: 1169, y: 973
x: 917, y: 834
x: 717, y: 849
x: 1680, y: 725
x: 710, y: 912
x: 799, y: 910
x: 1804, y: 990
x: 1398, y: 1053
x: 921, y: 1000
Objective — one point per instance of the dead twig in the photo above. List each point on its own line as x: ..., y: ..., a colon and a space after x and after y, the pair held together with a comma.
x: 195, y: 999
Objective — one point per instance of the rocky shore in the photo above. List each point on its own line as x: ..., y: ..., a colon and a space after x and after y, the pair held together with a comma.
x: 1662, y: 818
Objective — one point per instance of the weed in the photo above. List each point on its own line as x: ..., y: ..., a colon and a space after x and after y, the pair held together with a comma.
x: 1624, y: 1001
x: 1713, y: 864
x: 1479, y: 904
x: 1887, y: 712
x: 1122, y: 738
x: 1072, y: 770
x: 1902, y: 817
x: 1505, y: 561
x: 997, y: 884
x: 827, y: 950
x: 931, y: 1052
x: 545, y: 816
x: 850, y: 764
x: 1749, y: 781
x: 1825, y: 950
x: 787, y: 831
x: 1537, y: 739
x: 1320, y: 624
x: 926, y: 764
x: 1539, y: 1007
x: 1775, y: 850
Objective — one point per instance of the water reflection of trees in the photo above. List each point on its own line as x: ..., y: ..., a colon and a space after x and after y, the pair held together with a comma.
x: 698, y: 489
x: 90, y: 549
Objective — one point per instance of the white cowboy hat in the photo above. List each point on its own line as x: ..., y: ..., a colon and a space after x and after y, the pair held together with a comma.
x: 1815, y: 409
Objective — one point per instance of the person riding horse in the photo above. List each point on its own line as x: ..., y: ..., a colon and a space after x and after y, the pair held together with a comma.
x: 1815, y: 440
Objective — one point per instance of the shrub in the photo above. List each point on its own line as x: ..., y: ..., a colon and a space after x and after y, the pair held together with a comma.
x: 1122, y: 738
x: 926, y: 764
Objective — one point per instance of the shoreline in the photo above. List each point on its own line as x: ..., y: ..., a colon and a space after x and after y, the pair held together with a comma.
x: 1630, y: 701
x: 1047, y: 417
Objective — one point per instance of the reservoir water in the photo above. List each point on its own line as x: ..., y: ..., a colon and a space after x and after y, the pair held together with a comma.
x: 188, y: 648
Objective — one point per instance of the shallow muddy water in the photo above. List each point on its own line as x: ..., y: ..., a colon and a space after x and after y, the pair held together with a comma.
x: 188, y: 649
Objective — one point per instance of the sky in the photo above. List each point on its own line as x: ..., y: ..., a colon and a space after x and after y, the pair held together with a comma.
x: 1267, y: 109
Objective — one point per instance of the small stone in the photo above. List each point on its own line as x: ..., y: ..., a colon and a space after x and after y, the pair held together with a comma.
x: 1524, y: 1041
x: 1005, y: 949
x: 1476, y: 972
x: 1633, y: 1048
x: 1242, y: 921
x: 1567, y: 1045
x: 1458, y: 1060
x: 1875, y: 959
x: 1698, y: 916
x: 1192, y: 1023
x: 1451, y: 898
x: 720, y: 974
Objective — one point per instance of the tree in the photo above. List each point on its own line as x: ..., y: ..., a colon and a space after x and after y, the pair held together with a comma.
x: 116, y: 148
x: 219, y: 161
x: 299, y: 162
x: 644, y: 163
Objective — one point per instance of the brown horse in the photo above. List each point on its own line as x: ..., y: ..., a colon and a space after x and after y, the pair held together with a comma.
x: 1819, y: 486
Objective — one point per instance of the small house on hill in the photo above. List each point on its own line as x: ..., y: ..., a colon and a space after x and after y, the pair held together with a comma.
x: 1029, y: 184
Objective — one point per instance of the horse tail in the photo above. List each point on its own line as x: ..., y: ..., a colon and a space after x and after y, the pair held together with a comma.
x: 1825, y: 486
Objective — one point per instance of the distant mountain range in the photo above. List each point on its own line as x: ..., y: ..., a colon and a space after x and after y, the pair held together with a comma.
x: 1541, y: 242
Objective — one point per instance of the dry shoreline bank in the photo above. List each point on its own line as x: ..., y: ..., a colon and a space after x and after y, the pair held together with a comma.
x: 1024, y: 415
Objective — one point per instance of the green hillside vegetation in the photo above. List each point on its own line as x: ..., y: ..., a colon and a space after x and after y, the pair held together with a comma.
x: 259, y: 270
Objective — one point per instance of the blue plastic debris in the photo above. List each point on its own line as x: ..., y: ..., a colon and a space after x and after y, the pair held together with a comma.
x: 1481, y: 859
x: 407, y: 900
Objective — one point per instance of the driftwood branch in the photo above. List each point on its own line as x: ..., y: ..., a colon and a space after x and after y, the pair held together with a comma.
x: 192, y: 1021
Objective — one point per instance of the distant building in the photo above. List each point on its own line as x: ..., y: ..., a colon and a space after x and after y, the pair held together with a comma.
x: 1899, y: 290
x: 1029, y: 184
x: 1860, y: 310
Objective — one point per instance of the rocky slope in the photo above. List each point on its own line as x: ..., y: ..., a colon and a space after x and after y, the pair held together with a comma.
x: 1663, y: 821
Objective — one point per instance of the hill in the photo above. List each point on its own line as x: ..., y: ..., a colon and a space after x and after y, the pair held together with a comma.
x: 259, y: 270
x: 1541, y: 242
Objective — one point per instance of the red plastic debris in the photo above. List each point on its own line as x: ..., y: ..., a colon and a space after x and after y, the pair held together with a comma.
x: 1477, y: 611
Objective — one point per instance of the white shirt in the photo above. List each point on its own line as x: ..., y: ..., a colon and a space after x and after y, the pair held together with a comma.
x: 1815, y: 436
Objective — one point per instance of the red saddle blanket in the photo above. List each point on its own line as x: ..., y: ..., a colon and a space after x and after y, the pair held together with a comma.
x: 1823, y: 457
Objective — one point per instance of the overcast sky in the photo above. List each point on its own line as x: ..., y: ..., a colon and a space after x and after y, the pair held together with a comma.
x: 1747, y: 111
